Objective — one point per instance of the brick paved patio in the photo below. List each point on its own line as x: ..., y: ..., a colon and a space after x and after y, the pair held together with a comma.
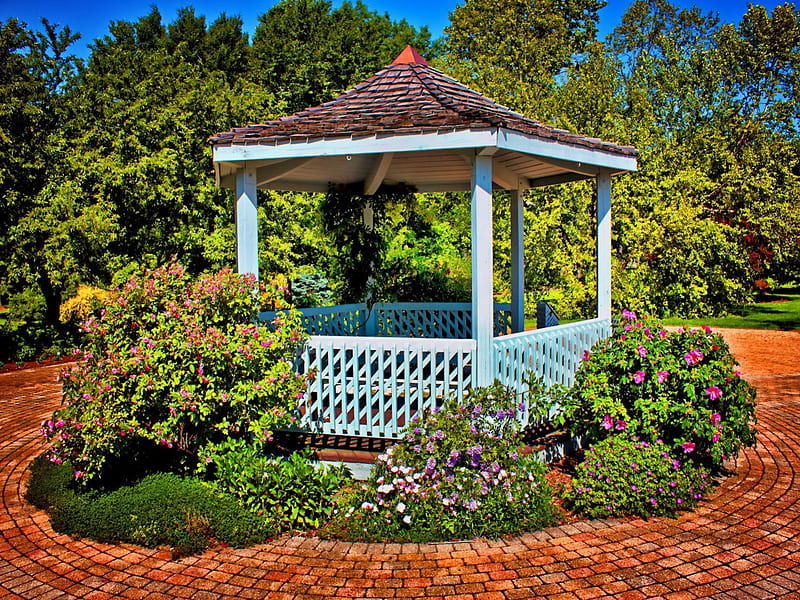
x: 743, y: 543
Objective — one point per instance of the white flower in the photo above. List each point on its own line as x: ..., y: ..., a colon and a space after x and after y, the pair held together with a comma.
x: 368, y: 506
x: 401, y: 507
x: 385, y: 488
x: 407, y: 520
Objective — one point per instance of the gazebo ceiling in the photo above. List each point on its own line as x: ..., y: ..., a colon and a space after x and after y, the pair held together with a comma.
x: 411, y: 124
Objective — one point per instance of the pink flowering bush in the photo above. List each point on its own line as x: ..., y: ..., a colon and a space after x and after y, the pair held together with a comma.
x: 173, y: 368
x: 458, y: 472
x: 623, y: 475
x: 682, y: 387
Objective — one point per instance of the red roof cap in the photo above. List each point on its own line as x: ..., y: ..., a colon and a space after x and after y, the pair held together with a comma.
x: 409, y: 55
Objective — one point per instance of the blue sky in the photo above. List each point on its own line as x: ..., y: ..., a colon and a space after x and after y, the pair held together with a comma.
x: 91, y: 18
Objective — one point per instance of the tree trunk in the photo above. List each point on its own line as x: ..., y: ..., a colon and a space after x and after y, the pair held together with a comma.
x: 52, y: 299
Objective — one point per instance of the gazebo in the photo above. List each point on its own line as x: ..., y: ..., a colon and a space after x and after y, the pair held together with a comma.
x: 376, y: 366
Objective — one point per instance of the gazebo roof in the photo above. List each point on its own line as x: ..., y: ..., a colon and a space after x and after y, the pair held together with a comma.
x: 410, y: 123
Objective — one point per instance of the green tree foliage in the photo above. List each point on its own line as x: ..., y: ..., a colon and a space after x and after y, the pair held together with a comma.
x: 106, y: 166
x: 514, y: 50
x: 712, y: 211
x: 307, y: 52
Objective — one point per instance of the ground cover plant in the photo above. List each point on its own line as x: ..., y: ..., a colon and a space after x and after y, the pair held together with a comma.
x: 683, y: 388
x: 458, y: 472
x: 162, y: 509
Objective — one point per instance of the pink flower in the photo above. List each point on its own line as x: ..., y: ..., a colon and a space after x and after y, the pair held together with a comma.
x: 621, y: 425
x: 639, y: 376
x: 608, y: 422
x: 642, y: 351
x: 715, y: 418
x: 585, y: 355
x: 693, y: 357
x: 629, y: 314
x: 662, y: 376
x: 687, y: 447
x: 714, y: 393
x: 706, y: 328
x: 715, y: 437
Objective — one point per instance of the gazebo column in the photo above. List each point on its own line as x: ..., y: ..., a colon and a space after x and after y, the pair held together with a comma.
x: 604, y: 245
x: 482, y: 278
x: 517, y: 261
x: 246, y: 221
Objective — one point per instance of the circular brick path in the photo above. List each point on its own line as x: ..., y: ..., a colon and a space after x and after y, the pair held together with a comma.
x: 743, y: 543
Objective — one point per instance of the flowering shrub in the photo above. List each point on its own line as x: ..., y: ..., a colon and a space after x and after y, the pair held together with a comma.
x: 457, y: 473
x: 681, y: 387
x: 630, y: 476
x: 175, y: 364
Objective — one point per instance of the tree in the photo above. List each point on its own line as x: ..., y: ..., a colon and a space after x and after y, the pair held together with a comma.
x: 306, y: 52
x: 515, y: 50
x: 33, y: 68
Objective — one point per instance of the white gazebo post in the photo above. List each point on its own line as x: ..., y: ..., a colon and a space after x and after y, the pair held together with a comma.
x: 517, y: 260
x: 482, y: 277
x: 604, y: 245
x: 246, y: 221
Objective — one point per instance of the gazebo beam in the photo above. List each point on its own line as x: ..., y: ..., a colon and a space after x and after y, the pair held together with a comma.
x: 374, y: 178
x: 268, y: 173
x: 604, y: 245
x: 482, y: 265
x: 556, y: 179
x: 247, y: 221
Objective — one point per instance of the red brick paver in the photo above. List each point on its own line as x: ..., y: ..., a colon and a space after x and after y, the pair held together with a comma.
x: 743, y: 543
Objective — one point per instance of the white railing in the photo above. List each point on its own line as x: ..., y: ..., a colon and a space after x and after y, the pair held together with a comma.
x: 552, y: 354
x: 373, y: 386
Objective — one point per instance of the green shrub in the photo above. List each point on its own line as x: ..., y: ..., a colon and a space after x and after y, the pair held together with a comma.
x: 295, y: 492
x: 681, y: 387
x: 160, y: 510
x: 177, y: 364
x: 457, y: 473
x: 629, y: 476
x: 49, y: 482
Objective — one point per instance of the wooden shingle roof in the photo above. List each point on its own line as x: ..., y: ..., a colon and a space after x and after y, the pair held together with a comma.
x: 407, y: 97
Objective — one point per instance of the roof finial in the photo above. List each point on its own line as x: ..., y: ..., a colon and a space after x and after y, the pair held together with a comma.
x: 409, y: 55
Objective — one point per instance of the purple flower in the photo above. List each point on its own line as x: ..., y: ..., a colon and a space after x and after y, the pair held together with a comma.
x: 662, y: 376
x: 639, y: 376
x: 454, y: 456
x: 628, y: 314
x: 608, y: 422
x: 642, y: 351
x: 430, y: 466
x: 714, y: 393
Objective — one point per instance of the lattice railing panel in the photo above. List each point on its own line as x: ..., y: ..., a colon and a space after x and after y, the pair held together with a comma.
x: 346, y: 319
x: 552, y: 354
x: 372, y: 386
x: 443, y: 320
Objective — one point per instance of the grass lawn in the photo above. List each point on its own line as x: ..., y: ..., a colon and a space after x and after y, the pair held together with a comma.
x: 779, y: 310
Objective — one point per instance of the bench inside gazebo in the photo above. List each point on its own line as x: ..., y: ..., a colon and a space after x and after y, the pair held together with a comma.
x: 376, y: 366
